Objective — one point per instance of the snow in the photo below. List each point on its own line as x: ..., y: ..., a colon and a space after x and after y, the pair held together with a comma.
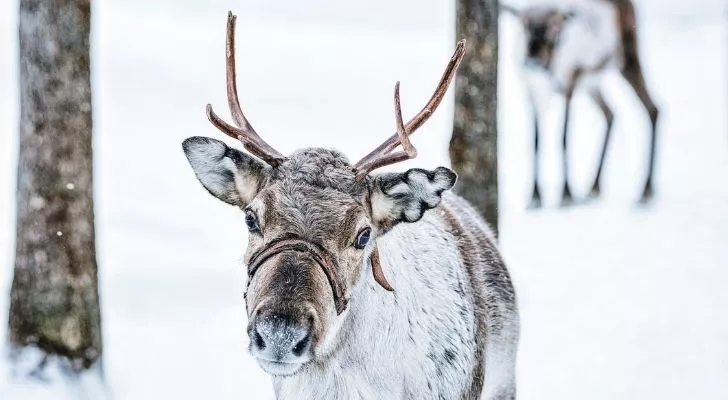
x: 617, y: 300
x: 56, y: 383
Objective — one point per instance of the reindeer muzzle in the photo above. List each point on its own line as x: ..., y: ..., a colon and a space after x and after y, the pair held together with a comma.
x: 317, y: 252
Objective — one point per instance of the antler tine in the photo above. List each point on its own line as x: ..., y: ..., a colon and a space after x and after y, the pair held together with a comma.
x: 245, y: 133
x: 408, y: 152
x: 372, y: 159
x: 402, y: 134
x: 231, y: 81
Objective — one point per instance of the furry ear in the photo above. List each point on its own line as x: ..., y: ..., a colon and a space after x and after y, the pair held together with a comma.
x: 404, y: 197
x: 228, y: 174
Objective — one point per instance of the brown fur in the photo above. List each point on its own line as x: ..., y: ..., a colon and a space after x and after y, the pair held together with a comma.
x: 478, y: 249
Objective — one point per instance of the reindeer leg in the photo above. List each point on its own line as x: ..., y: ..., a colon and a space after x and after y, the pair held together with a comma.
x: 596, y: 94
x: 536, y: 195
x: 633, y: 74
x: 566, y: 198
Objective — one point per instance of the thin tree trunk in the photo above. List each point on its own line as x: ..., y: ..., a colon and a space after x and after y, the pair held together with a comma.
x: 54, y: 296
x: 474, y: 142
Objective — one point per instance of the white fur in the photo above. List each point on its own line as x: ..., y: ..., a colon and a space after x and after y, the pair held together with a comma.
x: 588, y: 38
x: 385, y: 338
x: 212, y: 168
x: 246, y: 184
x: 407, y: 197
x: 383, y: 208
x: 208, y: 161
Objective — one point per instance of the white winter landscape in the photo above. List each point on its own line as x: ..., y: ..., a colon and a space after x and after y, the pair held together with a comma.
x: 617, y: 301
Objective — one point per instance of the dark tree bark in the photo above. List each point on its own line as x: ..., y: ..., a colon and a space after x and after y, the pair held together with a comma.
x: 54, y: 295
x: 474, y: 142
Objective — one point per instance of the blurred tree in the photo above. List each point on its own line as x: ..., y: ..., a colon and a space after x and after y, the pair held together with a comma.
x: 474, y: 142
x: 54, y: 295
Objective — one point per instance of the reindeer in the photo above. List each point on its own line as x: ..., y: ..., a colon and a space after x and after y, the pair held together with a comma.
x: 435, y: 318
x: 578, y: 46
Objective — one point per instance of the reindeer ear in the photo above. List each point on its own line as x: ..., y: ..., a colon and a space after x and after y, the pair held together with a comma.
x: 404, y: 197
x: 228, y: 174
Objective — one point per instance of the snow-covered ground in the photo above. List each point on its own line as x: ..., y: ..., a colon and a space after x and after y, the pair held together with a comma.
x: 617, y: 301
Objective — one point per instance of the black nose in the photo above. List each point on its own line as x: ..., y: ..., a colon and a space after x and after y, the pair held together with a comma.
x: 534, y: 48
x: 281, y: 338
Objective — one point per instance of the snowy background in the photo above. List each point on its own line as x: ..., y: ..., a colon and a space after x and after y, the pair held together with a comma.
x: 617, y: 301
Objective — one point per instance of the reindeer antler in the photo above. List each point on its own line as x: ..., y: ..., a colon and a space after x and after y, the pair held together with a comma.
x: 381, y: 156
x: 244, y: 132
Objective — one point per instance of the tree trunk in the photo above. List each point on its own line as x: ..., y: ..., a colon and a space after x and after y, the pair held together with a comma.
x: 54, y: 296
x: 474, y: 142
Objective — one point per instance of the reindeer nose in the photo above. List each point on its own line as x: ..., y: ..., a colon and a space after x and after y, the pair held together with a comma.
x: 280, y: 338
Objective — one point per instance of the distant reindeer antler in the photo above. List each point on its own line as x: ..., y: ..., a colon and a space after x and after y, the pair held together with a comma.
x: 244, y: 132
x: 382, y: 155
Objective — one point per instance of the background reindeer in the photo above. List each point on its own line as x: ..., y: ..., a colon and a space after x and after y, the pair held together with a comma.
x: 574, y: 46
x: 320, y: 322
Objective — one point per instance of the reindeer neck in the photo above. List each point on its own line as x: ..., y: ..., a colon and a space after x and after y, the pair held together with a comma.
x: 400, y: 344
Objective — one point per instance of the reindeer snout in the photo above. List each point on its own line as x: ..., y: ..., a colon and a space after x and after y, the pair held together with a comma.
x: 281, y: 338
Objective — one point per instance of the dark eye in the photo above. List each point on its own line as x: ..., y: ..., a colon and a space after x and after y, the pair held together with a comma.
x: 252, y: 221
x: 362, y: 238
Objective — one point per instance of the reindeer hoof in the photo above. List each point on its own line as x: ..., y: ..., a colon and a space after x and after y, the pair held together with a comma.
x: 535, y: 198
x: 535, y: 203
x: 566, y: 198
x: 595, y: 190
x: 647, y: 194
x: 567, y: 201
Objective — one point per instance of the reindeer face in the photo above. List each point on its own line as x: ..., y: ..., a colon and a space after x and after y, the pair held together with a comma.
x: 313, y: 219
x: 312, y: 228
x: 543, y: 27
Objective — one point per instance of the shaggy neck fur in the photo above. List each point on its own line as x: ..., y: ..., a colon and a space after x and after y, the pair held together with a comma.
x: 418, y: 342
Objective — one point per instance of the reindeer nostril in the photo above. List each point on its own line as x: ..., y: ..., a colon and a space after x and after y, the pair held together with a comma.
x: 301, y: 345
x: 258, y: 340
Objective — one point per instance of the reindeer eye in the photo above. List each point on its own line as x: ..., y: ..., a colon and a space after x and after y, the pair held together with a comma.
x: 362, y: 238
x: 252, y: 221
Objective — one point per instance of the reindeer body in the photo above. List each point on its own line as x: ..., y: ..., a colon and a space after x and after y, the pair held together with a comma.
x: 578, y: 46
x: 450, y: 327
x: 326, y: 239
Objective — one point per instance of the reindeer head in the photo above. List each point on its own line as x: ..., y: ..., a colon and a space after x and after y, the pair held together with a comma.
x: 543, y: 25
x: 313, y: 219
